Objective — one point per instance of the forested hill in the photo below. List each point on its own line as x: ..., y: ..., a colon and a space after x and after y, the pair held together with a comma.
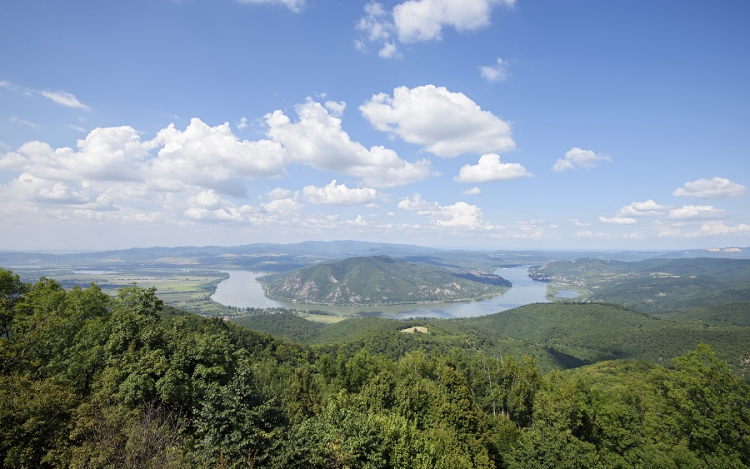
x: 559, y: 335
x: 381, y: 280
x: 655, y: 285
x: 91, y: 381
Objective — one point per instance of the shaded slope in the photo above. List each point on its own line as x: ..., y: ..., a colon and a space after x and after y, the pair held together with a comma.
x: 559, y: 335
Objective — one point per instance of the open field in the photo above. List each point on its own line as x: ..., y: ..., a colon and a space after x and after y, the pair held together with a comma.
x: 323, y: 318
x: 187, y: 289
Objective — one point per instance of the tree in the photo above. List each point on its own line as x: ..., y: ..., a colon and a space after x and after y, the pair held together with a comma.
x: 12, y: 290
x: 33, y: 421
x: 35, y: 318
x: 711, y: 407
x: 236, y: 424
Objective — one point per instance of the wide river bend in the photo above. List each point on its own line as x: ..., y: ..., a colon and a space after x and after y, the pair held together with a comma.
x: 241, y: 290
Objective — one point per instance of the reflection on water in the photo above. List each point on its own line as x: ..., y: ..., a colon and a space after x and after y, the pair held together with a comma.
x: 241, y: 290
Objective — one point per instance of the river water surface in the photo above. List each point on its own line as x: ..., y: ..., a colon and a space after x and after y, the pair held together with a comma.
x: 241, y: 290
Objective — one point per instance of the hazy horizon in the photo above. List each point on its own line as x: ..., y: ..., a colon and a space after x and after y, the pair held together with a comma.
x: 483, y: 124
x: 421, y: 246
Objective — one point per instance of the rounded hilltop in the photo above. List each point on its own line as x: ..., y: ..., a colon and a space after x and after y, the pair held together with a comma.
x: 380, y: 280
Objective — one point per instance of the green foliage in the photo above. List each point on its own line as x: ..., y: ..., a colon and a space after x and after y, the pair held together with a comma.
x: 34, y: 415
x: 284, y: 326
x: 93, y: 382
x: 558, y: 335
x: 728, y: 314
x: 12, y: 290
x: 625, y: 414
x: 710, y: 407
x: 236, y: 423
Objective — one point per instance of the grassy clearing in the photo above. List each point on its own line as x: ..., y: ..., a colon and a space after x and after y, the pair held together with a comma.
x: 324, y: 319
x: 554, y: 289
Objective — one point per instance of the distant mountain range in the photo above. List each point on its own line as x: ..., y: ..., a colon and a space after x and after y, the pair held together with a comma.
x: 378, y: 280
x: 269, y: 257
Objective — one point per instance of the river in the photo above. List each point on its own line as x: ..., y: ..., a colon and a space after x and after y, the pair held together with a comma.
x: 241, y: 290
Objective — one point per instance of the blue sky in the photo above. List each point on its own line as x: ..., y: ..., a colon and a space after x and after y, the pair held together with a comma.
x: 493, y: 124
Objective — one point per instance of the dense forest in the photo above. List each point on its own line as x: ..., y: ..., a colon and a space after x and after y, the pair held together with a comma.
x: 89, y: 381
x: 559, y: 335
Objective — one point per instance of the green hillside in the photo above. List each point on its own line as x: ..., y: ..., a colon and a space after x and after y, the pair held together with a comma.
x: 559, y: 335
x: 734, y: 314
x: 595, y: 332
x: 655, y: 285
x: 379, y: 280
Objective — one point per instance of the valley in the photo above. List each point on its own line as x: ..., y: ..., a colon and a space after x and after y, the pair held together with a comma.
x: 107, y: 352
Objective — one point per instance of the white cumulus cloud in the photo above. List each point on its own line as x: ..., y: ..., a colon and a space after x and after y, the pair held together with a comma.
x: 106, y: 154
x: 423, y: 20
x: 710, y: 189
x: 113, y: 169
x: 460, y: 214
x: 445, y: 123
x: 213, y: 157
x: 318, y: 140
x: 578, y: 158
x: 332, y: 194
x: 642, y: 209
x: 696, y: 211
x: 489, y: 169
x: 282, y: 207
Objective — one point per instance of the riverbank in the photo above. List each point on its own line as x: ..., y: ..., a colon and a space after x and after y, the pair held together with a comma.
x: 268, y: 294
x: 242, y: 290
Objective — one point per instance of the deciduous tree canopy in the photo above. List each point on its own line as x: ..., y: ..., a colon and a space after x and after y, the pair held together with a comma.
x: 92, y: 381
